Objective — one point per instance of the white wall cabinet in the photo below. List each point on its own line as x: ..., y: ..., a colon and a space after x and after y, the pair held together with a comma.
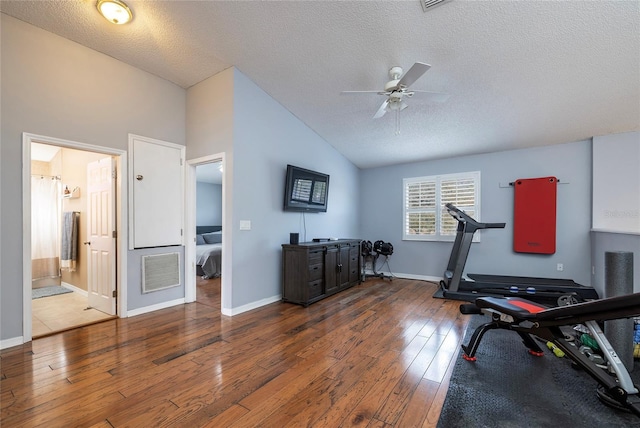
x: 156, y: 199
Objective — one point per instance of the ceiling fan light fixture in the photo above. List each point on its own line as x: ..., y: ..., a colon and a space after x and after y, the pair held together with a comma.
x: 394, y: 104
x: 115, y: 11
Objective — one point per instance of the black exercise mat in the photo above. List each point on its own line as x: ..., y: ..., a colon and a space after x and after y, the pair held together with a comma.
x: 508, y: 387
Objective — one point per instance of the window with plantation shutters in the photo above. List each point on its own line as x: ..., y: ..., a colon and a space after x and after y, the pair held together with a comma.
x: 425, y: 215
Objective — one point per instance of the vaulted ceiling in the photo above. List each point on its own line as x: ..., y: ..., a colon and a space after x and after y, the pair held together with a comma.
x: 518, y: 73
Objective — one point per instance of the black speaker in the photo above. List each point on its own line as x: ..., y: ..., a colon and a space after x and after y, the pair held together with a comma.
x: 293, y: 238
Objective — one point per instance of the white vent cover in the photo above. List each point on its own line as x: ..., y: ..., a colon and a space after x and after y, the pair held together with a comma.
x: 426, y: 4
x: 160, y: 271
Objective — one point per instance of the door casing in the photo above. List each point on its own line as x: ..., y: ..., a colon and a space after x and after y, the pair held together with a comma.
x: 190, y: 233
x: 121, y: 221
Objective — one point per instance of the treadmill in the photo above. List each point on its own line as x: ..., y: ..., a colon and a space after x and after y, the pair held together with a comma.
x: 549, y: 291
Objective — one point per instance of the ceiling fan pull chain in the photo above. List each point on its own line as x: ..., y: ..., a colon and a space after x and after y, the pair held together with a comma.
x: 398, y: 122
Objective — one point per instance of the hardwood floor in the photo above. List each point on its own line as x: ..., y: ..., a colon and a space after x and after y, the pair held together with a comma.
x: 377, y: 355
x: 208, y: 292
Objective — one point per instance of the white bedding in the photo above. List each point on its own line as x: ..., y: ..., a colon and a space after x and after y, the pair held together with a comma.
x: 209, y: 258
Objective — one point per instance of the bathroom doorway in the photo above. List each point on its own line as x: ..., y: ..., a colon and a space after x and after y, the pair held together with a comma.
x: 62, y: 264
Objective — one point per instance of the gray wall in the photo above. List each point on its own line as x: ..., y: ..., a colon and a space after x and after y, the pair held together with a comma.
x: 616, y: 183
x: 381, y: 213
x: 136, y: 298
x: 209, y: 132
x: 54, y: 87
x: 208, y: 204
x: 266, y: 138
x: 229, y: 114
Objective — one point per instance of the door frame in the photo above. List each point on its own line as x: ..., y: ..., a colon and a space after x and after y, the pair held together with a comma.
x: 120, y: 223
x: 190, y: 233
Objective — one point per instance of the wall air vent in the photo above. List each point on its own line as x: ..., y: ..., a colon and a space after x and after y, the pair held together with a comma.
x: 160, y: 271
x: 428, y: 4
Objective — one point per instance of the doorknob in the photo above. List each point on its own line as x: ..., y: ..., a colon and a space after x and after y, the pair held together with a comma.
x: 139, y: 177
x: 87, y: 243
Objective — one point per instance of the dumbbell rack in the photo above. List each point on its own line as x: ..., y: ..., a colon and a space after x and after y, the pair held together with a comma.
x: 374, y: 261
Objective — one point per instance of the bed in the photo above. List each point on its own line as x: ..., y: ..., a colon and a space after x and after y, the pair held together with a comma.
x: 209, y: 251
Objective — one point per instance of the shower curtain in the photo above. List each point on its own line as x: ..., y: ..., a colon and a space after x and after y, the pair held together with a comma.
x: 45, y: 227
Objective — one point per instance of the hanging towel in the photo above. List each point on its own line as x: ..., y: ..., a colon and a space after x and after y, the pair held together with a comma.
x: 69, y: 250
x: 534, y: 217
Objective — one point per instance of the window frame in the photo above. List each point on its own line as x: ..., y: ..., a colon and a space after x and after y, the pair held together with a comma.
x: 439, y: 208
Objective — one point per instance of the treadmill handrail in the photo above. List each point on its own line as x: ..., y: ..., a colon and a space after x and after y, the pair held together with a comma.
x: 463, y: 217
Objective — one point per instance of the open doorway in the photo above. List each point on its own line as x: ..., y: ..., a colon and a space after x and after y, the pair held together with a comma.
x: 209, y: 233
x: 60, y: 211
x: 70, y: 195
x: 207, y: 244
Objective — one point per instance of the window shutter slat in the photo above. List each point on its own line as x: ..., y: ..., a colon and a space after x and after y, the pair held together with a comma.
x: 421, y: 194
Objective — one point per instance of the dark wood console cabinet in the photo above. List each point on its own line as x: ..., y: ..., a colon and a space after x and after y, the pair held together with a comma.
x: 312, y: 271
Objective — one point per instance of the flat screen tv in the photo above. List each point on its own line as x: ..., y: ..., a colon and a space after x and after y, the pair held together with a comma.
x: 305, y: 190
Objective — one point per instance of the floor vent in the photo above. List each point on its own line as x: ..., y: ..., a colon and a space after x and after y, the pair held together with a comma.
x: 160, y: 271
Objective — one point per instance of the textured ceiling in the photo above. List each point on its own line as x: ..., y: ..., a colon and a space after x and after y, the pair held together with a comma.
x: 520, y: 74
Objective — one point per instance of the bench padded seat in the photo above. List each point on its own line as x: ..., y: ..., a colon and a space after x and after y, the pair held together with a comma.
x: 514, y: 306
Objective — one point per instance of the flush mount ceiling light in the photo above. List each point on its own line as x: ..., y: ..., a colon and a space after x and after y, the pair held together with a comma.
x: 115, y: 11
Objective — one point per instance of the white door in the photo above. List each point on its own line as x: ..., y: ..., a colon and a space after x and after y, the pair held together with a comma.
x: 102, y: 243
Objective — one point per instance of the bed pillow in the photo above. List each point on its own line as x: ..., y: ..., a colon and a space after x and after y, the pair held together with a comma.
x: 200, y: 240
x: 213, y: 237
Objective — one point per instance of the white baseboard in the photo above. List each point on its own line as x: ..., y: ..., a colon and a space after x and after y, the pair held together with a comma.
x: 9, y: 343
x: 75, y: 289
x: 156, y: 307
x: 250, y: 306
x: 435, y: 279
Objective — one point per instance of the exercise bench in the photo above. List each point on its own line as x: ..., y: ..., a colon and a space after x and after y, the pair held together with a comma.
x: 529, y: 319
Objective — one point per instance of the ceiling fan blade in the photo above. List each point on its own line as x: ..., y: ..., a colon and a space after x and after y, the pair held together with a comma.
x: 414, y: 73
x: 382, y: 110
x: 438, y: 97
x: 362, y: 92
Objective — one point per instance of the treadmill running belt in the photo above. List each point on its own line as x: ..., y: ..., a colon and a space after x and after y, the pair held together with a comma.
x: 522, y: 280
x: 534, y: 215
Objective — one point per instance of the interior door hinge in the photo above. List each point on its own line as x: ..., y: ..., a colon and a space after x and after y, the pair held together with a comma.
x: 181, y: 161
x: 114, y: 174
x: 115, y: 293
x: 180, y: 232
x: 114, y: 234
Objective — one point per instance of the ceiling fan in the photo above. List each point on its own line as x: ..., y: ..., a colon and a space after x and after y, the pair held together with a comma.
x: 397, y: 89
